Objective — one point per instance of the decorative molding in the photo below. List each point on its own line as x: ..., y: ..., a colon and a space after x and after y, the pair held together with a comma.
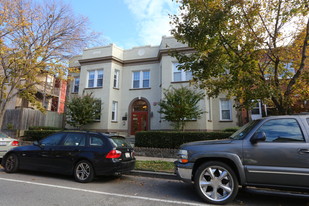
x: 140, y: 61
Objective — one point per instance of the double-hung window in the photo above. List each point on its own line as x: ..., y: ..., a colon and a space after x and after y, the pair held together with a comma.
x: 116, y: 79
x: 225, y: 110
x: 141, y: 79
x: 97, y: 112
x: 75, y: 86
x: 180, y: 75
x: 114, y: 111
x: 95, y: 78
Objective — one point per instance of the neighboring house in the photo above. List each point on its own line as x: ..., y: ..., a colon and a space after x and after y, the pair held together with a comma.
x: 51, y: 92
x: 20, y: 114
x: 130, y: 83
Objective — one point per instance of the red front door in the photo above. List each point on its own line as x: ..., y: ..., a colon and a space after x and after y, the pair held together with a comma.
x: 139, y: 122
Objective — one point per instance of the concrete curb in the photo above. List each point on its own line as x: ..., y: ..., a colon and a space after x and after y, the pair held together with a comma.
x: 162, y: 175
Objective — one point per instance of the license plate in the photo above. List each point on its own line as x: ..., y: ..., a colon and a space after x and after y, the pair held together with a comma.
x: 127, y: 155
x: 2, y: 143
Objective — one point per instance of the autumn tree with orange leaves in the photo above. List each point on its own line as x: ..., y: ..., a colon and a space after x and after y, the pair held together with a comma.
x: 251, y: 50
x: 35, y: 39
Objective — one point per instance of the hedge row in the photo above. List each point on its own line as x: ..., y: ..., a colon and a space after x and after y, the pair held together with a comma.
x: 44, y: 128
x: 36, y: 135
x: 173, y: 140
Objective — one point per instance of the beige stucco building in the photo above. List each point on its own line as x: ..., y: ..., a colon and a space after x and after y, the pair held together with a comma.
x: 130, y: 84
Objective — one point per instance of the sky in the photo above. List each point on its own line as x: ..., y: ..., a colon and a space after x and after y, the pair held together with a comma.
x: 127, y: 23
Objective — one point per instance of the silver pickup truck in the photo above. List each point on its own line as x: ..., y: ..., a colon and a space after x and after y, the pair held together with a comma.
x: 269, y: 152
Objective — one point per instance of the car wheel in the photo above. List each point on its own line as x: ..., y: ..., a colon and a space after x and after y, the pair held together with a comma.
x: 83, y: 171
x: 11, y: 163
x: 216, y: 183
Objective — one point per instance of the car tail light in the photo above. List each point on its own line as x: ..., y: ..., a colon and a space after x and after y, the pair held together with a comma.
x: 15, y: 143
x: 113, y: 154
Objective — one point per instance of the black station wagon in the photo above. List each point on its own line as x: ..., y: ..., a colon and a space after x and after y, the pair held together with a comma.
x: 82, y: 154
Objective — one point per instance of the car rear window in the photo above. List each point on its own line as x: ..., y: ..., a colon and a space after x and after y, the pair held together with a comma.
x: 119, y: 142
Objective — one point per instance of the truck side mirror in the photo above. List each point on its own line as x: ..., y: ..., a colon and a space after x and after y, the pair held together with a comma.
x: 258, y: 137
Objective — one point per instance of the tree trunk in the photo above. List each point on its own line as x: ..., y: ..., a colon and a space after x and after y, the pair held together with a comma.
x: 279, y: 105
x: 2, y: 111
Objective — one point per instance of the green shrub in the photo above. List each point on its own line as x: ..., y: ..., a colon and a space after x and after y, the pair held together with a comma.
x: 172, y: 140
x: 44, y: 128
x: 36, y: 135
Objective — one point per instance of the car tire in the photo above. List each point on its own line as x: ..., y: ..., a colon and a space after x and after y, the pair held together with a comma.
x: 83, y: 171
x: 216, y: 182
x: 11, y: 163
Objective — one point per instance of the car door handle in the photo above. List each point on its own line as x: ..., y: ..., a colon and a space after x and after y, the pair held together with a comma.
x: 303, y: 151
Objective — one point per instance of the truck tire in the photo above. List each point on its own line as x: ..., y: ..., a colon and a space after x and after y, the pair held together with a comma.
x: 216, y: 182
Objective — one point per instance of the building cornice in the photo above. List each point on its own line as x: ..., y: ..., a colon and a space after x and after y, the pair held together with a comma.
x: 152, y: 60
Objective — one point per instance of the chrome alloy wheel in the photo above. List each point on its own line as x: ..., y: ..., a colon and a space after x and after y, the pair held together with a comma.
x: 216, y: 183
x: 83, y: 171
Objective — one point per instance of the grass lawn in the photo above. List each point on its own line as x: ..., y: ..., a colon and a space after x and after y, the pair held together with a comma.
x: 156, y: 166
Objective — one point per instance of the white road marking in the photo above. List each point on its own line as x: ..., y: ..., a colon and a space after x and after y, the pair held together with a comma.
x: 103, y: 193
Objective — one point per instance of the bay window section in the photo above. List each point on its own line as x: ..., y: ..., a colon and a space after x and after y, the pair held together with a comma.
x: 100, y: 78
x: 91, y: 77
x: 114, y: 111
x: 116, y: 79
x: 97, y: 113
x: 95, y: 78
x: 75, y: 86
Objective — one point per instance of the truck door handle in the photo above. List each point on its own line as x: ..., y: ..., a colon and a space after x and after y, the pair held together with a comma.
x: 303, y: 151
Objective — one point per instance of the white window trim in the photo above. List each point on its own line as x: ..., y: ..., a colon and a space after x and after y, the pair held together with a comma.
x: 141, y: 79
x: 95, y: 78
x: 73, y: 85
x: 117, y: 75
x: 115, y: 111
x: 230, y: 108
x: 182, y: 73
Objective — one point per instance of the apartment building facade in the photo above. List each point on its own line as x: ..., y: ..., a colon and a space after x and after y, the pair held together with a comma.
x: 130, y: 84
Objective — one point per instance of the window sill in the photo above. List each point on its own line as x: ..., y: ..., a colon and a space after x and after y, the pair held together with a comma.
x: 140, y: 88
x: 114, y: 121
x: 116, y: 88
x: 180, y: 82
x: 74, y: 92
x: 88, y: 88
x: 226, y: 120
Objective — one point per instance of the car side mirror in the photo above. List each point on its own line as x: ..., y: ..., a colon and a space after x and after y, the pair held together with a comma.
x: 258, y: 137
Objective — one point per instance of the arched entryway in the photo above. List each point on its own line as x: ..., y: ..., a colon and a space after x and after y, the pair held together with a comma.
x: 139, y: 120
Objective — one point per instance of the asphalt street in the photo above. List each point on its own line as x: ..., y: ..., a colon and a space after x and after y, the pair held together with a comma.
x: 37, y: 189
